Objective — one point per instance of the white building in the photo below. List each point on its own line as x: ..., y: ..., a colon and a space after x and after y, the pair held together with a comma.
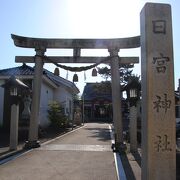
x: 53, y: 88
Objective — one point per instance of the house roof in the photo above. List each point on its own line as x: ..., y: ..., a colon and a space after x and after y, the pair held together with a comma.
x: 17, y: 71
x: 93, y: 91
x: 98, y: 91
x: 26, y: 70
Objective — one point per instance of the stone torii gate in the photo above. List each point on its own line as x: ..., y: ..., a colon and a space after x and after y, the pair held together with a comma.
x: 40, y: 45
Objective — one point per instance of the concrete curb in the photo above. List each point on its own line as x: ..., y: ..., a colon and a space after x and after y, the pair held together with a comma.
x: 118, y: 163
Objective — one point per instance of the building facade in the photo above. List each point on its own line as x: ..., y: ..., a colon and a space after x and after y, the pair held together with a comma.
x: 53, y: 88
x: 97, y: 102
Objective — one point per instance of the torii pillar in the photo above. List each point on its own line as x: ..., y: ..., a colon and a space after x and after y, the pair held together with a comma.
x: 34, y: 119
x: 116, y: 99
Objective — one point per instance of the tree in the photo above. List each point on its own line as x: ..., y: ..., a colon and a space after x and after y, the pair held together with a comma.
x: 103, y: 88
x: 134, y: 78
x: 125, y: 73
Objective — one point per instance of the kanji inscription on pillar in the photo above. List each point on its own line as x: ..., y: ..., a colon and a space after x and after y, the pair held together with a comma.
x: 159, y: 26
x: 162, y: 103
x: 161, y: 63
x: 158, y: 116
x: 162, y: 143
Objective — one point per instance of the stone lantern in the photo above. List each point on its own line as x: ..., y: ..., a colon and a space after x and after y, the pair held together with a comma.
x: 133, y: 95
x: 15, y: 86
x: 133, y: 91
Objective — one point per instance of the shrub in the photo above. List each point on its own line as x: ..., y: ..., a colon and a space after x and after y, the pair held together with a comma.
x: 56, y: 115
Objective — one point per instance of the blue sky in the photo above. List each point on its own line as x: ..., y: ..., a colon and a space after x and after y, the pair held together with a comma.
x: 76, y: 19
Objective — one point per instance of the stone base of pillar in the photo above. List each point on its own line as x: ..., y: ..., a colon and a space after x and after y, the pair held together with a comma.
x: 119, y: 147
x: 32, y: 144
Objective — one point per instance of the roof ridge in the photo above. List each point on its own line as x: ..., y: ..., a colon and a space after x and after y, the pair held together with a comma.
x: 56, y: 75
x: 26, y: 70
x: 58, y: 79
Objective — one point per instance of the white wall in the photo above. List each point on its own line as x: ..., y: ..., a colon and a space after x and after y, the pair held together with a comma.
x: 63, y: 96
x: 48, y: 94
x: 46, y: 98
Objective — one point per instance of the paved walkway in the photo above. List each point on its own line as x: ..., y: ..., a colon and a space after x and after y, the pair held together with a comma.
x: 84, y: 154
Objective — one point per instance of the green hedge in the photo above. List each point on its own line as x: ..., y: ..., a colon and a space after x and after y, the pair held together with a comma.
x: 56, y: 115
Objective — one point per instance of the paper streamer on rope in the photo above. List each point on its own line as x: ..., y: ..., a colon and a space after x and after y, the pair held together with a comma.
x: 84, y: 75
x: 67, y: 74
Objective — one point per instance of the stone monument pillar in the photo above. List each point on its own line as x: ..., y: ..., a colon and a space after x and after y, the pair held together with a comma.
x: 133, y: 129
x: 158, y: 106
x: 116, y: 98
x: 34, y: 121
x: 14, y: 127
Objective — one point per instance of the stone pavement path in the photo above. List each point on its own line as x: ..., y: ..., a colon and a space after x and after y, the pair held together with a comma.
x: 84, y: 154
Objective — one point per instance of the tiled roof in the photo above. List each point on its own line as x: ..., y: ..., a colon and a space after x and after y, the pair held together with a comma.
x: 28, y: 70
x: 94, y: 91
x: 58, y: 80
x: 17, y: 71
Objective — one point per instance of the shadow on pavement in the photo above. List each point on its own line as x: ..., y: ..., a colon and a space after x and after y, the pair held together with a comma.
x: 127, y: 167
x: 177, y: 165
x: 137, y: 157
x: 102, y: 134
